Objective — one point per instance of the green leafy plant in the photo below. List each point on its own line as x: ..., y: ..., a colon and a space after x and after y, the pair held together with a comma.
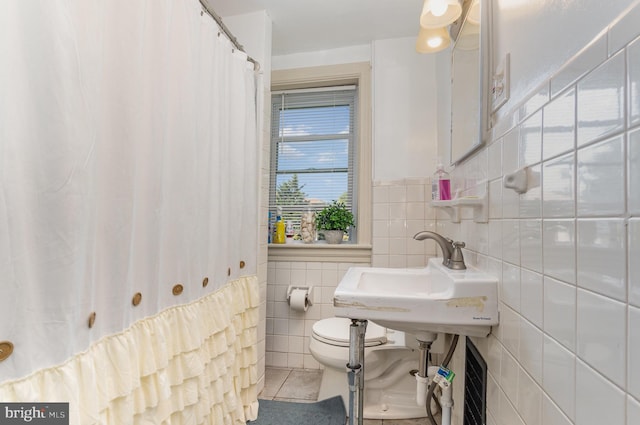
x: 335, y: 216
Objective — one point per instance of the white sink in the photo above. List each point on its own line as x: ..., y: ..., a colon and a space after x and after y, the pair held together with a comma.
x: 420, y: 301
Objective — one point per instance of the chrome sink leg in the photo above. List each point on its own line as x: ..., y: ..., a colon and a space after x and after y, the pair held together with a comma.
x: 356, y: 369
x: 362, y: 328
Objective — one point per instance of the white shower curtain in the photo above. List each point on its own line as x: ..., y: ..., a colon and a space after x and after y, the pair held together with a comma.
x: 128, y: 164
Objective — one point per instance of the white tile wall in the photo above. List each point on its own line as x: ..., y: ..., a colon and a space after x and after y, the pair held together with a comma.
x: 591, y: 57
x: 601, y: 334
x: 633, y: 354
x: 559, y: 374
x: 530, y: 244
x: 602, y: 260
x: 529, y: 404
x: 511, y: 240
x: 509, y: 373
x: 577, y: 344
x: 559, y: 249
x: 531, y: 296
x: 634, y: 265
x: 559, y: 125
x: 508, y: 412
x: 509, y: 329
x: 551, y: 413
x: 510, y: 289
x: 600, y: 100
x: 558, y: 187
x: 592, y: 393
x: 538, y: 99
x: 633, y: 58
x: 510, y: 163
x: 495, y: 238
x: 530, y: 142
x: 560, y: 312
x: 600, y: 187
x: 531, y: 201
x: 495, y: 160
x: 530, y: 350
x: 400, y: 210
x: 633, y: 154
x: 624, y: 30
x: 633, y: 411
x: 288, y: 331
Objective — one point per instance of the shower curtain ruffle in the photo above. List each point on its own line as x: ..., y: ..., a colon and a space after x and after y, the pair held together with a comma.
x: 190, y: 364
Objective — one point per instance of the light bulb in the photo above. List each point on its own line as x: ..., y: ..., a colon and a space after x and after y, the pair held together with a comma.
x: 434, y: 42
x: 439, y: 7
x: 431, y: 40
x: 439, y: 13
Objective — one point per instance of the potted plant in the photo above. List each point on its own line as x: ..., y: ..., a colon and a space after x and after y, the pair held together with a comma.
x: 334, y: 220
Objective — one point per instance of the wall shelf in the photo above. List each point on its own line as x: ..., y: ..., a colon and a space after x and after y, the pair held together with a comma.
x: 480, y: 207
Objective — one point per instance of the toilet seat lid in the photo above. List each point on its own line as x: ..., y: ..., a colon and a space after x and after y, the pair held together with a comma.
x: 335, y: 331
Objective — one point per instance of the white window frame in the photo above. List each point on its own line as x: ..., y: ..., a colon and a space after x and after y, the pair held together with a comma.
x: 328, y: 76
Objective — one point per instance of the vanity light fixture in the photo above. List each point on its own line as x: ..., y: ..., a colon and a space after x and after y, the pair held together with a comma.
x: 469, y: 37
x: 473, y: 15
x: 439, y: 13
x: 431, y: 40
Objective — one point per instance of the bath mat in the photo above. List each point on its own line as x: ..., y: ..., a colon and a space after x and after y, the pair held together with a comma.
x: 326, y: 412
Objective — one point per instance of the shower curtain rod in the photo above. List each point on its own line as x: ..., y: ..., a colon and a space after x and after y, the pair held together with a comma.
x: 232, y: 38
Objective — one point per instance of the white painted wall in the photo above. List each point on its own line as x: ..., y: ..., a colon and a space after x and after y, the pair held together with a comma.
x: 405, y: 122
x: 405, y: 119
x: 349, y: 54
x: 443, y: 82
x: 254, y: 33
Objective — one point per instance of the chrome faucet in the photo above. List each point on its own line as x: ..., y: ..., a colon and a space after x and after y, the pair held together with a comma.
x: 451, y: 251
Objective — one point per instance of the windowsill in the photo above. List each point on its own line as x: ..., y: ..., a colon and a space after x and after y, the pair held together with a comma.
x: 320, y: 252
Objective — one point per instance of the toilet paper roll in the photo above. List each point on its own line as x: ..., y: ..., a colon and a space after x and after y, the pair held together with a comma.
x: 299, y: 300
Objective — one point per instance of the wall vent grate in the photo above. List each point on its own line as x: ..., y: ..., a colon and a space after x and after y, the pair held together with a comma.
x: 475, y: 386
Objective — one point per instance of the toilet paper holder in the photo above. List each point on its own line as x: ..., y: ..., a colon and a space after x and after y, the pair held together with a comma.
x: 309, y: 290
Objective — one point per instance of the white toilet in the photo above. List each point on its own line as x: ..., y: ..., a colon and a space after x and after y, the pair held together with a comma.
x: 389, y: 389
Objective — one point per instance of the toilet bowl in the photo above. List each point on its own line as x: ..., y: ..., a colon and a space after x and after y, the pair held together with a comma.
x: 389, y: 389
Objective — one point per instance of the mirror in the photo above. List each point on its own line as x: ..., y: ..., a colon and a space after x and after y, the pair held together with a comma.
x: 468, y: 118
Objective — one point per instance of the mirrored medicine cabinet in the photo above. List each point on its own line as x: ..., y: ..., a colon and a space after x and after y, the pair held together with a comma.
x: 469, y: 80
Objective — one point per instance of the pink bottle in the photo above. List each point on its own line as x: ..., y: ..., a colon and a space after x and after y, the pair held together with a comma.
x: 440, y: 185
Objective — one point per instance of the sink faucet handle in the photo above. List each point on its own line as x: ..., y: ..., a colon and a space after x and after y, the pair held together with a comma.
x: 457, y: 259
x: 458, y: 244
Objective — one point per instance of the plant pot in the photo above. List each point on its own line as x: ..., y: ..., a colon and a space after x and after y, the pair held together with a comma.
x: 333, y: 236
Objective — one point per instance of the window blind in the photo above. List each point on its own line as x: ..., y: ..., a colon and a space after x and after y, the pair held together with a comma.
x: 313, y: 151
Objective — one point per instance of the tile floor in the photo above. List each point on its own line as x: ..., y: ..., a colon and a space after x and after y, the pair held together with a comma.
x: 302, y: 386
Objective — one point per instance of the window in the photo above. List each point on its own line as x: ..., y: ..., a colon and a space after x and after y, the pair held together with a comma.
x: 357, y: 74
x: 313, y: 151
